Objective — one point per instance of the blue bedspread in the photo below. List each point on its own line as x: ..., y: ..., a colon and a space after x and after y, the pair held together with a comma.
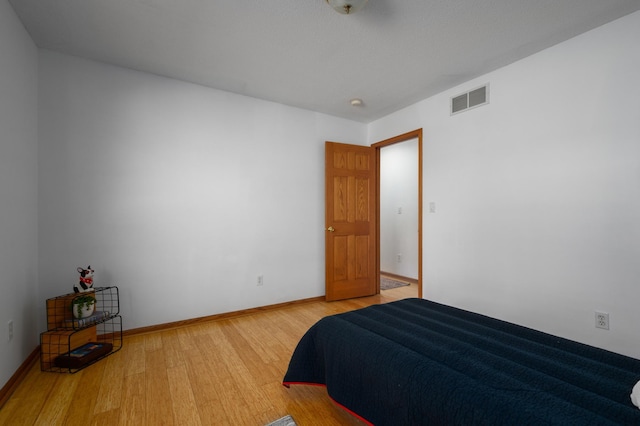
x: 416, y: 362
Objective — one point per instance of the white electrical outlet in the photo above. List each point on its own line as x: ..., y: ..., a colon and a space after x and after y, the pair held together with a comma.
x: 602, y: 320
x: 399, y: 258
x: 260, y: 280
x: 10, y: 326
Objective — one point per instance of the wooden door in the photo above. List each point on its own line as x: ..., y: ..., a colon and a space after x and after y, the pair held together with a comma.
x: 350, y: 209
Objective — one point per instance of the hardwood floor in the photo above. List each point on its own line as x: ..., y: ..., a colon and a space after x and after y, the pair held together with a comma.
x: 224, y: 372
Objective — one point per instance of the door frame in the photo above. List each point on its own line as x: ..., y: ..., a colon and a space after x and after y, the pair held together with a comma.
x: 414, y: 134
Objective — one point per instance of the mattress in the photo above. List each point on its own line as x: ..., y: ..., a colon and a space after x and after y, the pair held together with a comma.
x: 415, y: 361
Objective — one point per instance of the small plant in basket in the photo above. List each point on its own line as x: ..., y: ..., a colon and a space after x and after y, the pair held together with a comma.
x: 82, y: 306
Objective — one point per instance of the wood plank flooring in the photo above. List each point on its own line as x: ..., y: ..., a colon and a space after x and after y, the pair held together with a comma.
x: 224, y: 372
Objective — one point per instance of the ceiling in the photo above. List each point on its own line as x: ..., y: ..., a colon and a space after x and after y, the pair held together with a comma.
x: 302, y: 53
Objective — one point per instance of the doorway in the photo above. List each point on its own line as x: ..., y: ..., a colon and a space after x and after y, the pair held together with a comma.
x: 399, y: 211
x: 352, y: 217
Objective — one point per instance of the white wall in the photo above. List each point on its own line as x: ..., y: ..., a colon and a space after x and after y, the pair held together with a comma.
x: 399, y: 208
x: 538, y: 193
x: 18, y: 193
x: 179, y: 194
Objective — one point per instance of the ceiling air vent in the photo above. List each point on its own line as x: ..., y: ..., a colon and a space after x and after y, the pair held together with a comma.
x: 471, y: 99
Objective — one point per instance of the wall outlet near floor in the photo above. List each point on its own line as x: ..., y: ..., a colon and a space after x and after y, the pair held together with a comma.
x: 602, y: 320
x: 10, y: 327
x: 260, y: 280
x: 399, y: 258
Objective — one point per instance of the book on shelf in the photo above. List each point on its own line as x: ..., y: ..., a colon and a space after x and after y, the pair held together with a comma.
x: 82, y: 355
x: 83, y: 322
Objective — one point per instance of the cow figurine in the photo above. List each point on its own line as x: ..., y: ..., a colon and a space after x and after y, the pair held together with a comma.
x: 85, y: 283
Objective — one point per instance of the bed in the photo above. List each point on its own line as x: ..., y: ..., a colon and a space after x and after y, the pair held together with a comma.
x: 415, y: 362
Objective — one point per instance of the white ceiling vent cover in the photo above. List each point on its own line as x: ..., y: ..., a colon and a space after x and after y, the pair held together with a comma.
x: 473, y: 98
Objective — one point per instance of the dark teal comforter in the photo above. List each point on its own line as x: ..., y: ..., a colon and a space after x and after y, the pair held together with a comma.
x: 417, y: 362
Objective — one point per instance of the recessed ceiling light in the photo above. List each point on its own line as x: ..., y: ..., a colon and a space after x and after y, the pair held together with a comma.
x: 356, y: 102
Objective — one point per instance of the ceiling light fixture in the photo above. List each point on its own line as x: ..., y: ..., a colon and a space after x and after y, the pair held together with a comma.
x: 346, y: 6
x: 356, y: 102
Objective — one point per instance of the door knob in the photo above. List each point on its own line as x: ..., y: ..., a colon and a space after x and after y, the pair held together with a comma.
x: 331, y: 229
